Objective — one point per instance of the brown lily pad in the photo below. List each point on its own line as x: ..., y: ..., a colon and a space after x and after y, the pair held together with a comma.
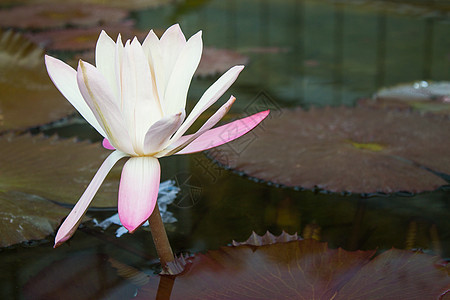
x: 217, y: 61
x: 26, y: 217
x: 345, y: 150
x: 28, y: 96
x: 79, y: 276
x: 75, y: 39
x: 423, y: 97
x: 304, y: 269
x: 54, y: 169
x: 129, y: 4
x: 49, y: 15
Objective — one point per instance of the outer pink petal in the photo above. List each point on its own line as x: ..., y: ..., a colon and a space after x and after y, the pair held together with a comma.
x: 138, y: 190
x: 72, y: 221
x: 213, y: 120
x: 107, y: 145
x: 223, y: 134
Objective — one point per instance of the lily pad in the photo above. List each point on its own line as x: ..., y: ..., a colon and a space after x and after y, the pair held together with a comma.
x: 79, y: 276
x: 75, y: 39
x: 345, y: 150
x: 49, y: 15
x: 305, y: 269
x: 129, y: 4
x: 424, y: 97
x: 26, y: 217
x: 217, y: 61
x: 54, y: 169
x: 28, y: 96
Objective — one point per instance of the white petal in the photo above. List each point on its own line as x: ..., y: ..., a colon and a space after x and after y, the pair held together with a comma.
x: 159, y: 133
x: 140, y: 108
x: 94, y: 88
x: 72, y: 221
x: 65, y: 79
x: 181, y: 76
x: 212, y: 94
x: 105, y: 60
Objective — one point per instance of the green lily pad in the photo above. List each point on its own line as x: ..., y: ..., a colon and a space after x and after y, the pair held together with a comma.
x: 49, y: 15
x: 423, y: 97
x: 28, y: 96
x: 345, y: 150
x: 305, y: 269
x: 54, y: 169
x: 26, y: 217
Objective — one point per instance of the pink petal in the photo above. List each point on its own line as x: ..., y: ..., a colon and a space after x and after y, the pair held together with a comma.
x: 107, y: 145
x: 72, y: 221
x: 211, y: 95
x: 223, y: 134
x: 138, y: 190
x: 213, y: 120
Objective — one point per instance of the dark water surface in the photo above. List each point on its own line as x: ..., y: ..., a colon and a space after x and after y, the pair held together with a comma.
x: 302, y: 53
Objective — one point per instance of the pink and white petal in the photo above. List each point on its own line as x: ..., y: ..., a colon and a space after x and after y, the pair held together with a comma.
x: 138, y: 190
x: 211, y: 95
x: 213, y: 120
x: 160, y: 132
x: 105, y: 60
x: 65, y: 79
x: 181, y: 76
x: 223, y: 134
x: 70, y: 224
x: 107, y: 145
x: 99, y: 97
x: 140, y: 108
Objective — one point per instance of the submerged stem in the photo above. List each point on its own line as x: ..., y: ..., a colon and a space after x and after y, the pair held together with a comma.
x: 160, y: 238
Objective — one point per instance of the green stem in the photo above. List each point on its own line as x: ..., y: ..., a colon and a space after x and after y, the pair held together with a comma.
x: 160, y: 238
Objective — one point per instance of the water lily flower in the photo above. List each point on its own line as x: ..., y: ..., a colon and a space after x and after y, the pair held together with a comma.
x: 135, y: 97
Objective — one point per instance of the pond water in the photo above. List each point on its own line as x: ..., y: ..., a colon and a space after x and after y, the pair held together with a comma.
x: 301, y: 53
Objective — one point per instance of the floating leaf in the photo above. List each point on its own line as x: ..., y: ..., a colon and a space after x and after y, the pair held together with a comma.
x: 26, y: 217
x: 129, y: 4
x: 345, y: 149
x: 423, y: 97
x: 304, y: 269
x: 217, y: 61
x: 267, y: 239
x: 58, y: 170
x: 28, y: 96
x: 79, y: 276
x: 73, y: 39
x: 38, y: 16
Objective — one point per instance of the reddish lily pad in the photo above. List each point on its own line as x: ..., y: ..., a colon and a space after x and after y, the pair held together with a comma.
x: 26, y: 217
x: 304, y: 269
x: 58, y: 170
x: 28, y: 96
x: 49, y: 15
x: 74, y: 39
x: 217, y: 61
x: 423, y: 97
x: 345, y: 150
